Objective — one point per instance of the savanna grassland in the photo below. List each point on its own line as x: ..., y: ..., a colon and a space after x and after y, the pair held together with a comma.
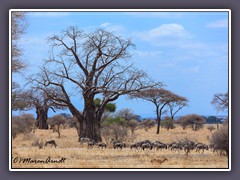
x: 78, y: 156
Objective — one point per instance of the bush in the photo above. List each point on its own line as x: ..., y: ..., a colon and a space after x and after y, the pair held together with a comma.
x: 167, y: 123
x: 132, y: 124
x: 146, y: 124
x: 219, y: 140
x: 22, y: 124
x: 211, y: 128
x: 114, y: 131
x: 38, y: 143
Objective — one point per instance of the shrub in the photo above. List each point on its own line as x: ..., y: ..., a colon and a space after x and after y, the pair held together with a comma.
x: 22, y: 124
x: 167, y: 123
x: 38, y: 143
x: 211, y: 128
x: 219, y: 140
x: 146, y: 124
x: 132, y: 124
x: 114, y: 131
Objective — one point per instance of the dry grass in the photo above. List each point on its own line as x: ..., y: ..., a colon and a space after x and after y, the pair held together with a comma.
x: 82, y: 157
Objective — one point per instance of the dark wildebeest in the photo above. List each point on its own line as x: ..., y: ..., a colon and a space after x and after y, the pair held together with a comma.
x: 146, y: 146
x: 119, y: 145
x: 101, y: 145
x: 201, y: 147
x: 52, y: 142
x: 91, y: 144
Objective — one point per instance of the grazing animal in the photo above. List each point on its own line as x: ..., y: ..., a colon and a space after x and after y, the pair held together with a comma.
x: 52, y: 142
x: 101, y: 145
x: 201, y: 147
x: 161, y: 146
x: 85, y: 140
x: 176, y: 147
x: 119, y: 145
x: 146, y: 146
x: 91, y: 144
x: 135, y: 145
x: 159, y: 161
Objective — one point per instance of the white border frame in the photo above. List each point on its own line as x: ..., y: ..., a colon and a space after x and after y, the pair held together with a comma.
x: 121, y: 10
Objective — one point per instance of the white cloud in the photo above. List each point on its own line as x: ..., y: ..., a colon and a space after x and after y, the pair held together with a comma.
x: 147, y: 54
x: 221, y: 23
x: 105, y: 24
x: 165, y: 35
x: 166, y: 30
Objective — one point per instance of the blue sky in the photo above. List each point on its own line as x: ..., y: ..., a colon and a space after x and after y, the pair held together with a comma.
x: 187, y: 51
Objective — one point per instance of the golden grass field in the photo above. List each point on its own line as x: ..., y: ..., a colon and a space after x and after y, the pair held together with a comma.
x: 82, y: 157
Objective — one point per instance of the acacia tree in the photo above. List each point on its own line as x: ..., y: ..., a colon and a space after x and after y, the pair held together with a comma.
x: 159, y: 97
x: 55, y: 123
x: 94, y: 64
x: 177, y: 103
x: 220, y: 101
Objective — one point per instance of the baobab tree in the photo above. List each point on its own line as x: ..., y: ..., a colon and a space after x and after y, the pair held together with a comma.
x: 40, y: 100
x: 95, y: 63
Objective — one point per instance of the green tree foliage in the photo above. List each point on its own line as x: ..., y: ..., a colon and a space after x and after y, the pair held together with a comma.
x: 110, y: 107
x: 114, y: 120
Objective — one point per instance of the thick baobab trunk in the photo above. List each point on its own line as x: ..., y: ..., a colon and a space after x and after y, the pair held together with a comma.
x: 87, y: 122
x: 91, y: 127
x: 42, y: 117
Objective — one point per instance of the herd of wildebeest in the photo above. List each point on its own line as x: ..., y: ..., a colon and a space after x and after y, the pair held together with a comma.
x: 182, y: 145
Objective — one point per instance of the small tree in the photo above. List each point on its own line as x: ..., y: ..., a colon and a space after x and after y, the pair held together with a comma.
x: 194, y: 121
x: 55, y: 122
x: 146, y: 124
x: 132, y: 124
x: 211, y: 128
x: 126, y: 114
x: 168, y: 123
x: 22, y: 124
x: 114, y: 128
